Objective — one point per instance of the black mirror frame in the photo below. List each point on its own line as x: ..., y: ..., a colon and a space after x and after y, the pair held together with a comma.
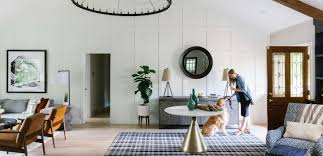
x: 209, y: 68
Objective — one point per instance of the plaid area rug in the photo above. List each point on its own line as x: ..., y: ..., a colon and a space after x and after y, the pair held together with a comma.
x: 162, y: 144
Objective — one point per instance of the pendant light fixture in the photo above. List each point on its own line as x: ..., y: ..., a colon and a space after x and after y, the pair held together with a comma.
x: 124, y: 7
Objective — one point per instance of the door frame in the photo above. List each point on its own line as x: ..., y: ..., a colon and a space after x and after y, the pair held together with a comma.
x: 287, y: 98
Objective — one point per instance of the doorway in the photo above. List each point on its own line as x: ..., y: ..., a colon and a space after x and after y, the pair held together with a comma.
x: 287, y: 81
x: 98, y: 87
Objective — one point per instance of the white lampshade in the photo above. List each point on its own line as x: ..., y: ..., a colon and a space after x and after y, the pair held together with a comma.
x: 225, y: 76
x: 166, y: 75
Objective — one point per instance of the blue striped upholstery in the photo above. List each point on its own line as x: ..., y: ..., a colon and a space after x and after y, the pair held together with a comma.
x: 275, y: 137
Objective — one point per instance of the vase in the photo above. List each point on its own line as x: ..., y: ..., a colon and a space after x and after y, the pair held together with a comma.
x: 143, y: 110
x: 190, y: 103
x: 195, y: 98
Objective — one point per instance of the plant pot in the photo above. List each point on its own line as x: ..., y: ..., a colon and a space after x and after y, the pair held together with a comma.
x: 143, y: 110
x: 65, y: 103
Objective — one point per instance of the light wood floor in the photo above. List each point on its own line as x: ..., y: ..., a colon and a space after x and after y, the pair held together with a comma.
x: 93, y: 139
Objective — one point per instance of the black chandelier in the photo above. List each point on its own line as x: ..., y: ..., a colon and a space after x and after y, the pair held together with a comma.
x: 148, y: 7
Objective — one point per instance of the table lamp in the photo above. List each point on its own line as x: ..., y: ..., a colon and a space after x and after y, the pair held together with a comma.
x: 225, y: 77
x: 166, y: 78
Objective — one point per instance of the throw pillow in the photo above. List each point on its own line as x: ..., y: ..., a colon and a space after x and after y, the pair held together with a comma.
x: 1, y: 109
x: 15, y: 106
x: 1, y: 106
x: 43, y: 103
x: 32, y: 105
x: 305, y: 131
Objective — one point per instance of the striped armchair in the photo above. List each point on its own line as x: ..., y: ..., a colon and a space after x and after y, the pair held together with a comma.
x: 295, y: 113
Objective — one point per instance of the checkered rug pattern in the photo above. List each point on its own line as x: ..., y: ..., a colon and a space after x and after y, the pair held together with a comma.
x: 169, y: 144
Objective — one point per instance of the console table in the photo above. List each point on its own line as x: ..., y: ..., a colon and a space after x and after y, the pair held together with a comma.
x: 169, y: 121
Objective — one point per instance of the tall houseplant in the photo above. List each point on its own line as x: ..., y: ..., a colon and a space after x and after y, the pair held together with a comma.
x: 143, y: 79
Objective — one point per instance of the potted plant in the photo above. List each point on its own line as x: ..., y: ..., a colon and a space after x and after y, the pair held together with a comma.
x: 66, y: 99
x: 142, y: 77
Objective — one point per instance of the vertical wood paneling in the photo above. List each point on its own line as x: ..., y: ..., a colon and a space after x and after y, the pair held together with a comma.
x: 156, y: 40
x: 194, y: 37
x: 122, y: 86
x: 146, y: 48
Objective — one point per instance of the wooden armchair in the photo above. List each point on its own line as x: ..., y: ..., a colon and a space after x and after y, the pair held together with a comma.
x: 27, y: 133
x: 54, y: 122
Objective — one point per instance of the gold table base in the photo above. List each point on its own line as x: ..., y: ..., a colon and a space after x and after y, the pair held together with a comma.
x: 194, y: 142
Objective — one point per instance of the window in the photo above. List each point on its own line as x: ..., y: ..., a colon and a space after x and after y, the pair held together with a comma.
x: 191, y: 64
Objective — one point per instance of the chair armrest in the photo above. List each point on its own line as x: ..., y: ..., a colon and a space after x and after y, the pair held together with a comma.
x: 318, y: 148
x: 273, y: 136
x: 10, y: 132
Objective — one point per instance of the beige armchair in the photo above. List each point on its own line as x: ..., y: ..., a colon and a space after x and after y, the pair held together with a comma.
x: 26, y: 133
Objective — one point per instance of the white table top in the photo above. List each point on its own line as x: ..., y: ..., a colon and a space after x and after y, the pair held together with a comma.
x: 183, y: 111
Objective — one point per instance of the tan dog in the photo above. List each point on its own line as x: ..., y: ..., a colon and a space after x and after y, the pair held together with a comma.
x: 216, y: 122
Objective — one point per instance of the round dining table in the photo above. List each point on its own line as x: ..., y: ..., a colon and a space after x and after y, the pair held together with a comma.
x: 194, y: 141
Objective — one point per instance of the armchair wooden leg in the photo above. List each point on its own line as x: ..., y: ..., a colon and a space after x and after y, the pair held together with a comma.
x: 64, y: 134
x: 25, y: 147
x: 51, y: 129
x: 64, y: 129
x: 42, y: 141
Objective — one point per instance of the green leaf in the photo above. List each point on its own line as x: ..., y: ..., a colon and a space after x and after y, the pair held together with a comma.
x: 134, y: 75
x: 144, y: 67
x: 142, y: 77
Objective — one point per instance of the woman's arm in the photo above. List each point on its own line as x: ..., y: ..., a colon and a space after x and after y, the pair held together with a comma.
x: 236, y: 90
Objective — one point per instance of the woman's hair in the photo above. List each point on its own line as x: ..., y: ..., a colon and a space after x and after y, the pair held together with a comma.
x: 232, y: 81
x: 232, y: 71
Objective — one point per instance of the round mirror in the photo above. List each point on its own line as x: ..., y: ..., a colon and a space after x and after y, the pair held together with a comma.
x: 196, y: 62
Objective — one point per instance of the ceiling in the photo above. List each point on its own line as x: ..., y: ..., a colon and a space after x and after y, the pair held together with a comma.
x: 266, y: 14
x: 314, y: 3
x: 262, y: 14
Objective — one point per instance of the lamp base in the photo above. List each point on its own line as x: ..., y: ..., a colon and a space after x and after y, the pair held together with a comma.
x: 226, y: 89
x: 169, y: 90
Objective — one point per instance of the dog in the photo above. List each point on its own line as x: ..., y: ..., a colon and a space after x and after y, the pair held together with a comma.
x: 217, y: 122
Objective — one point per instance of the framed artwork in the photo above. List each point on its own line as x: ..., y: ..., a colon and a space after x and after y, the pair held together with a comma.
x: 26, y: 71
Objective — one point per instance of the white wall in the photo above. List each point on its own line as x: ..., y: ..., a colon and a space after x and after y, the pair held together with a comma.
x: 69, y: 33
x: 302, y: 34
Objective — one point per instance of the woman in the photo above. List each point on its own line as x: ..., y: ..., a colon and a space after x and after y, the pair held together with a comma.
x: 243, y: 95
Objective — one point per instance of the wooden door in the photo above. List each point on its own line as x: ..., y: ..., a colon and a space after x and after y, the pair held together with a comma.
x: 287, y: 81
